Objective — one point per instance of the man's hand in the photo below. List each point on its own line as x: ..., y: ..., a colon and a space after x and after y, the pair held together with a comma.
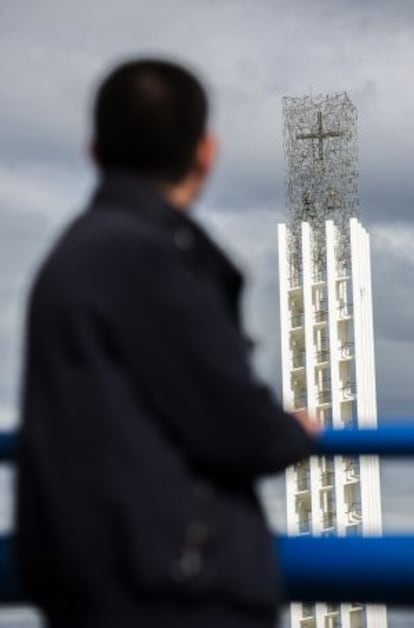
x: 310, y: 425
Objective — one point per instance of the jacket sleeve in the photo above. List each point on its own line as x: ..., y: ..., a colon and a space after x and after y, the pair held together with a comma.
x: 186, y: 355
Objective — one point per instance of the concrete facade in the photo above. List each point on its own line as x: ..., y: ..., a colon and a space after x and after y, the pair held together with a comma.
x: 328, y: 367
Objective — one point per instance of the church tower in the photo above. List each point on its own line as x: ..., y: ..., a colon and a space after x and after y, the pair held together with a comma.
x: 327, y: 341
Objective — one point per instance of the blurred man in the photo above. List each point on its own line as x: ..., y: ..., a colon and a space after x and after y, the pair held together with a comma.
x: 144, y: 427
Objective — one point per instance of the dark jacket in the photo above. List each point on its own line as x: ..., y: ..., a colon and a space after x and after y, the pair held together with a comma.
x: 144, y: 428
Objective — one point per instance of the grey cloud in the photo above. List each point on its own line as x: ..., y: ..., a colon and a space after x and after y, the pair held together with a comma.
x: 394, y: 332
x: 251, y: 53
x: 394, y: 367
x: 393, y: 297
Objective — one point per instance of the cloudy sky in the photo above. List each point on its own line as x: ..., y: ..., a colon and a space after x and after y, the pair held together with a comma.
x: 250, y: 53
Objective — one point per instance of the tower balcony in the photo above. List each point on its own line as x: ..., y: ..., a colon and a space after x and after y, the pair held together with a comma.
x: 295, y: 280
x: 322, y: 357
x: 328, y: 522
x: 342, y: 272
x: 332, y: 617
x: 346, y: 351
x: 319, y: 277
x: 324, y: 383
x: 298, y: 360
x: 345, y: 311
x: 299, y: 401
x: 352, y: 471
x: 320, y: 316
x: 327, y: 479
x: 348, y: 391
x: 324, y: 397
x: 354, y: 513
x: 297, y: 320
x: 308, y: 611
x: 303, y: 483
x: 305, y: 525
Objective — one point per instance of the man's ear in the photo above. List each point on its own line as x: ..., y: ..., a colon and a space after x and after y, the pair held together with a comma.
x: 206, y: 154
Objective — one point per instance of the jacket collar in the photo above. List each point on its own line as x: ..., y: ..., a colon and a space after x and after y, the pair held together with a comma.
x: 126, y: 191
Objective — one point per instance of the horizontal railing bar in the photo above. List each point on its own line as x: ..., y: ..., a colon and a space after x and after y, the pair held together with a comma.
x: 396, y: 440
x: 372, y: 570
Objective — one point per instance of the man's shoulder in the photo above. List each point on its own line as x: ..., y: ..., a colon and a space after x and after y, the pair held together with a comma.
x: 101, y: 228
x: 102, y: 249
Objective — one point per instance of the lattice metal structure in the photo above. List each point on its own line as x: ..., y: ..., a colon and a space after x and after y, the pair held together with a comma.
x: 322, y: 159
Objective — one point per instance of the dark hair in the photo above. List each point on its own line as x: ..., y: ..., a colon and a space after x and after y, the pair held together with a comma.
x: 149, y: 116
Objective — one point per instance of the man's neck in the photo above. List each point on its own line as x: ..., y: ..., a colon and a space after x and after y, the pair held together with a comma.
x: 182, y: 195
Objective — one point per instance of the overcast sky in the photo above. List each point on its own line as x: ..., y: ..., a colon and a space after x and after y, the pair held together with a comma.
x: 250, y: 53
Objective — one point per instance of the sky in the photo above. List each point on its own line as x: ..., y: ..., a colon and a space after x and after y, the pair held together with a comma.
x: 250, y: 53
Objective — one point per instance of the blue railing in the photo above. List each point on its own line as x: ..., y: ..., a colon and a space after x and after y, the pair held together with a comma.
x: 329, y: 569
x: 395, y: 440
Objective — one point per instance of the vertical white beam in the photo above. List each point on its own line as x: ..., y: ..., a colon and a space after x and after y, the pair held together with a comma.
x: 308, y: 317
x: 307, y: 274
x: 331, y: 274
x: 284, y: 315
x: 287, y: 393
x: 366, y: 392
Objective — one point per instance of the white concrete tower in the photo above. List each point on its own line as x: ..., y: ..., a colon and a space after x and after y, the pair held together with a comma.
x: 327, y: 346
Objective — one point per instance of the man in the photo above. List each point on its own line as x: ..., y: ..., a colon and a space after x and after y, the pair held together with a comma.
x: 144, y: 426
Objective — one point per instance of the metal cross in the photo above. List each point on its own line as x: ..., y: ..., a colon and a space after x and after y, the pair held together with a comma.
x: 319, y: 135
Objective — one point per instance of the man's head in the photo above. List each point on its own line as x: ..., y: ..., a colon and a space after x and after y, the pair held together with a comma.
x: 151, y: 118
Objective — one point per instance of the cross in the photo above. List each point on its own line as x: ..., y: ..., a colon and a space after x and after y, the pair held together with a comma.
x: 319, y: 135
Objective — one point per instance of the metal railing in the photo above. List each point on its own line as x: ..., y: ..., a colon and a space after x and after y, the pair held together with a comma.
x: 374, y: 570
